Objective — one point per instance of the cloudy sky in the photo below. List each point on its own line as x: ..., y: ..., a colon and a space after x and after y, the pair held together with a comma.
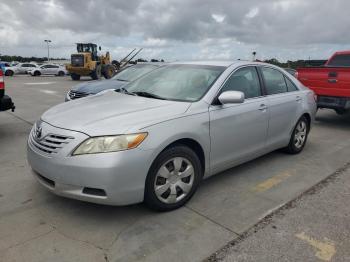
x: 178, y: 29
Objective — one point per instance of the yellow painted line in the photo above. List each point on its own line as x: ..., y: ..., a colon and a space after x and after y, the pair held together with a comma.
x: 325, y: 250
x: 271, y: 182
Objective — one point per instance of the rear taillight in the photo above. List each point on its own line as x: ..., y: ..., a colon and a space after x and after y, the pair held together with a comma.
x: 2, y: 84
x: 296, y: 74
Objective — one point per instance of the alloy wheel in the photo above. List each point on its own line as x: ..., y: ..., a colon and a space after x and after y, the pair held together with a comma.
x: 300, y: 134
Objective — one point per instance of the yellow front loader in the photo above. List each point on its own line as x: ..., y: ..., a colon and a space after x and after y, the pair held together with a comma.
x: 86, y: 62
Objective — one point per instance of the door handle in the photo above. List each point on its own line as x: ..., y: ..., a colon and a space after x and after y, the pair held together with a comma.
x: 263, y: 107
x: 298, y: 99
x: 332, y: 81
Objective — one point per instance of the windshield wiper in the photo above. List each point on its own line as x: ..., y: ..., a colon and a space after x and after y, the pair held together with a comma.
x: 150, y: 95
x: 124, y: 91
x: 123, y: 80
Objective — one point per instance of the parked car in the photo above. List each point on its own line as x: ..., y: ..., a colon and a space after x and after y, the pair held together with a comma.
x: 8, y: 69
x: 48, y: 69
x: 120, y: 79
x: 5, y: 101
x: 157, y: 137
x: 23, y: 68
x: 331, y: 82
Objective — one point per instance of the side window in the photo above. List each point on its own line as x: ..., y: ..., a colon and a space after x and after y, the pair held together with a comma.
x: 290, y: 85
x: 274, y: 81
x: 245, y: 80
x: 54, y: 66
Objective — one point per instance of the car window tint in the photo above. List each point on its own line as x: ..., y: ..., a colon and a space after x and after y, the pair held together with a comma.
x: 340, y: 60
x: 245, y: 80
x: 274, y: 81
x: 290, y: 85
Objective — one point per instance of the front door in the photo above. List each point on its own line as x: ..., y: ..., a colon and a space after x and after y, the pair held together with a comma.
x: 238, y: 131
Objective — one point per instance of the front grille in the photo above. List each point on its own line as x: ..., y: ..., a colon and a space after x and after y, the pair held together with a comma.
x: 50, y: 143
x: 76, y: 94
x: 77, y: 60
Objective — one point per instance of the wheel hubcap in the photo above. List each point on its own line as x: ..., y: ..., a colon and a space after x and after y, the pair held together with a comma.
x: 300, y: 134
x: 174, y: 180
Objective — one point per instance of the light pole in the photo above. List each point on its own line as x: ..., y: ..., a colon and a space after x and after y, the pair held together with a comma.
x: 48, y: 49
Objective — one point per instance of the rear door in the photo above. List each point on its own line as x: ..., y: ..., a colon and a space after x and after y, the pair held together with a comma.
x: 284, y: 100
x: 238, y: 131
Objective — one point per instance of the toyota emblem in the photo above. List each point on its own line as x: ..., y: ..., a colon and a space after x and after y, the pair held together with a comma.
x: 38, y: 132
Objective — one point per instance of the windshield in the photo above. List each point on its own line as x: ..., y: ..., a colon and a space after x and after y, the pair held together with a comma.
x: 177, y: 82
x: 133, y: 72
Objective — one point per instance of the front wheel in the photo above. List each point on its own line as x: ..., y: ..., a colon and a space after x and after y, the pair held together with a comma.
x: 75, y: 77
x: 299, y: 136
x: 172, y: 179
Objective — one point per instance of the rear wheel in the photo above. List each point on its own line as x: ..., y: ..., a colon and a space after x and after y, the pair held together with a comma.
x: 299, y: 136
x: 75, y: 77
x: 9, y: 73
x: 172, y: 179
x: 96, y: 74
x: 37, y: 73
x: 60, y: 73
x: 108, y: 71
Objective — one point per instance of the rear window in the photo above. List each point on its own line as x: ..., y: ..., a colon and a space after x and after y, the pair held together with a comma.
x: 340, y: 60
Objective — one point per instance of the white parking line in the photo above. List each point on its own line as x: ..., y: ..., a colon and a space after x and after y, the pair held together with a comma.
x: 49, y: 92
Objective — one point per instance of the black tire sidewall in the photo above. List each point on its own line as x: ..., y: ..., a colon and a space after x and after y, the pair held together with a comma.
x: 150, y: 197
x: 291, y: 147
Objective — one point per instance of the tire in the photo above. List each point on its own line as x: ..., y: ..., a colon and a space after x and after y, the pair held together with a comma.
x: 75, y: 77
x: 61, y: 73
x: 301, y: 130
x: 340, y: 111
x: 9, y: 73
x: 181, y: 160
x: 36, y: 73
x: 96, y: 74
x: 108, y: 71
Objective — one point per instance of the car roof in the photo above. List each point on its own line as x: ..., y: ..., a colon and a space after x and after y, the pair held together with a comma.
x: 226, y: 64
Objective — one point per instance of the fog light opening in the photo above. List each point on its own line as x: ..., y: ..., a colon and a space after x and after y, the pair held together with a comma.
x: 94, y: 191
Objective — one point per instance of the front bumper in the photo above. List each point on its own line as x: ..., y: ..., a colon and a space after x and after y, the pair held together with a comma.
x: 108, y: 178
x: 6, y: 103
x: 333, y: 102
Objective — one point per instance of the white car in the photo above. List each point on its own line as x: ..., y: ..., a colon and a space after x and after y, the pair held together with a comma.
x: 48, y: 69
x: 10, y: 70
x: 23, y: 68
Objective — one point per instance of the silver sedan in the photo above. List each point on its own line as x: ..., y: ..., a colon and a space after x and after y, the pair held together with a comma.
x: 155, y: 139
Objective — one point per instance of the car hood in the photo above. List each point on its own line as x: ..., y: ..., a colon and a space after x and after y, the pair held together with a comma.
x: 94, y: 87
x: 112, y: 113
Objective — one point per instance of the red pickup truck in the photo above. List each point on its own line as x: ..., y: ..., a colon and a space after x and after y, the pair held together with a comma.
x: 331, y: 82
x: 5, y: 101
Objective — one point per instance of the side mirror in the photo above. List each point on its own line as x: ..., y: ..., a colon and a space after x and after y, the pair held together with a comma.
x: 231, y: 97
x: 99, y: 48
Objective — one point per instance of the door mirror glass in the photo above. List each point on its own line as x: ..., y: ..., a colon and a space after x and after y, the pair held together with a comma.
x: 231, y: 97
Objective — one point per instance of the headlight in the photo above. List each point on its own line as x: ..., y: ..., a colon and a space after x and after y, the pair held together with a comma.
x: 105, y: 144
